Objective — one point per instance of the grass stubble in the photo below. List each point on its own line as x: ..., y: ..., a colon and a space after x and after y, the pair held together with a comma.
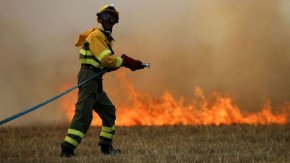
x: 236, y: 143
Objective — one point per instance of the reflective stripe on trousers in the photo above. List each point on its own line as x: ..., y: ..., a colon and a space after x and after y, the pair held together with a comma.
x: 107, y: 132
x: 74, y: 137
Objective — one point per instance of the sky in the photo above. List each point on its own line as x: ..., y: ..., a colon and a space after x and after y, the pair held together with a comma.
x: 239, y: 48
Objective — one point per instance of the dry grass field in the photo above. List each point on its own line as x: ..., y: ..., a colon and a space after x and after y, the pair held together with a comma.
x: 237, y: 143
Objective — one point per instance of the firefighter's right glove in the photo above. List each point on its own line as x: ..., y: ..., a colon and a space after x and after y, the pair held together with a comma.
x: 131, y: 63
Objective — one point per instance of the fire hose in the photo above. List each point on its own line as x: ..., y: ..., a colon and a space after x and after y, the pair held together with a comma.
x: 56, y: 97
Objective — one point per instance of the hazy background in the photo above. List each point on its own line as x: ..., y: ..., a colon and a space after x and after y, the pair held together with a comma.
x: 240, y: 48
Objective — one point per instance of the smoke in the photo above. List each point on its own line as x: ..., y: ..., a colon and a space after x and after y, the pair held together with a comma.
x: 239, y: 48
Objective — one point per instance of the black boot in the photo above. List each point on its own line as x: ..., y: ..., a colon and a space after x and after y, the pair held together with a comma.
x: 108, y: 149
x: 67, y: 150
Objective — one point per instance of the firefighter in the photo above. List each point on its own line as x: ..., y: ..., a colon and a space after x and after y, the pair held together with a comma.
x: 96, y: 54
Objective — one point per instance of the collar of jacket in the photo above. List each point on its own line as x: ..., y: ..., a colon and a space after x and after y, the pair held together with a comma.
x: 107, y: 33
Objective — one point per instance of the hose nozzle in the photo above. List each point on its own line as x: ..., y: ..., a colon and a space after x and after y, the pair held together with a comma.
x: 146, y: 65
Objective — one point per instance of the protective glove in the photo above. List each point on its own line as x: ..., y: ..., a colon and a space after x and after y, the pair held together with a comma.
x: 131, y: 63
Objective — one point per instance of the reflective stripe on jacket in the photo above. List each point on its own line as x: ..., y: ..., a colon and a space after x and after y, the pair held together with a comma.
x: 87, y: 57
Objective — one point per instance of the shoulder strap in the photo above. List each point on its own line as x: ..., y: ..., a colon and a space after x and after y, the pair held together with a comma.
x: 109, y: 38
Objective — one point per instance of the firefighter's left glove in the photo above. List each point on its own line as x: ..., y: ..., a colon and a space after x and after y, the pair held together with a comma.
x: 131, y: 63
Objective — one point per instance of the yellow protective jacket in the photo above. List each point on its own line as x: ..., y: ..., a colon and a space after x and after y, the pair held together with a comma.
x: 97, y: 50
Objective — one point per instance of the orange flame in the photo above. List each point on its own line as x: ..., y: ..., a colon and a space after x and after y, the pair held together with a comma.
x: 143, y: 109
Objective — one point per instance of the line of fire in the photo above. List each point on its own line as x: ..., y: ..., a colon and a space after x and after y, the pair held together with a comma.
x: 143, y: 109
